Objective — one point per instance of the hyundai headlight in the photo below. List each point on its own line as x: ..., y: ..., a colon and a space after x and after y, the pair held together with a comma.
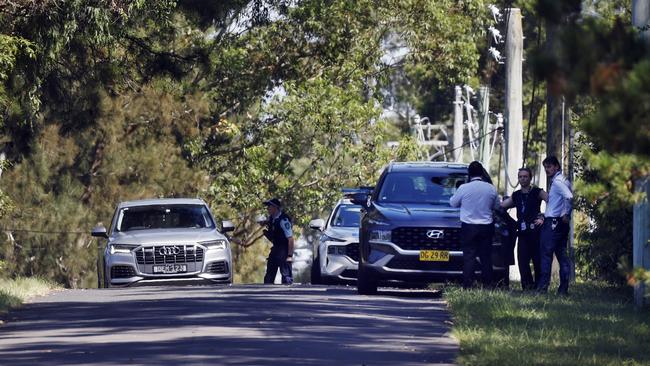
x: 377, y: 222
x: 329, y: 238
x: 381, y: 235
x: 121, y: 248
x: 215, y: 244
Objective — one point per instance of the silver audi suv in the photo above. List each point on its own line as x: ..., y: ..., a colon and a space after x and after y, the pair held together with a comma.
x: 165, y: 241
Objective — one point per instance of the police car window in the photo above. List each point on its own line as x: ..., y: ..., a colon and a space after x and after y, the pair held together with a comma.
x: 420, y: 187
x: 346, y: 216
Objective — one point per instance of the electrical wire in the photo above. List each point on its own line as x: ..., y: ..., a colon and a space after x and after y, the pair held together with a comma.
x: 43, y: 232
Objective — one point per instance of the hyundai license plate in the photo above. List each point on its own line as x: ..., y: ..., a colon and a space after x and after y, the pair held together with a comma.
x: 434, y: 256
x: 170, y: 268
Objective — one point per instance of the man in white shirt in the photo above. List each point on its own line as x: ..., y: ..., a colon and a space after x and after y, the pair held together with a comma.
x: 476, y: 200
x: 555, y: 230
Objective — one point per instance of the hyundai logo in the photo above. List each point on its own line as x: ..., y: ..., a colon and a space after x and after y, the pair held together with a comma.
x: 169, y: 250
x: 435, y: 234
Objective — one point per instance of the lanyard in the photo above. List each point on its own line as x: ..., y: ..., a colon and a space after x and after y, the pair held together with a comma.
x: 524, y: 201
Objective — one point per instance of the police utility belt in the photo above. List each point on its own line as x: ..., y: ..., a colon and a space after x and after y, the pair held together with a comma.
x: 525, y: 225
x: 554, y: 221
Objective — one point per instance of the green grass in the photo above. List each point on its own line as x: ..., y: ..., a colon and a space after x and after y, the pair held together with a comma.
x: 596, y: 325
x: 13, y: 292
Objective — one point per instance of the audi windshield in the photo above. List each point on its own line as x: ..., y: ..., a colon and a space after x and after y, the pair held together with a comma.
x: 164, y: 217
x: 420, y: 187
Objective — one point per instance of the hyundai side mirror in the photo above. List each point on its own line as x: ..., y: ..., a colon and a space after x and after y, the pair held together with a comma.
x: 317, y: 224
x: 99, y: 232
x: 360, y: 199
x: 227, y: 226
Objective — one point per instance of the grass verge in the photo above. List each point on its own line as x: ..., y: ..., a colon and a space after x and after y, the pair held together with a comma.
x: 596, y: 325
x: 13, y: 292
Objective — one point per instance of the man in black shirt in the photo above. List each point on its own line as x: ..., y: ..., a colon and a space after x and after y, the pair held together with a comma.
x: 529, y: 221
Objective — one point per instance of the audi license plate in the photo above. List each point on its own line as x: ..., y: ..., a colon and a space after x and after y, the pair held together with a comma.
x: 434, y: 256
x: 170, y: 268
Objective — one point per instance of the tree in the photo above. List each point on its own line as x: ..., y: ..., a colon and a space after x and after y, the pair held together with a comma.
x: 233, y: 101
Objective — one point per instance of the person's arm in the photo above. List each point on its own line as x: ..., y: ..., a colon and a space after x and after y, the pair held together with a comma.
x: 567, y: 197
x: 497, y: 201
x: 290, y: 251
x: 508, y: 203
x: 543, y: 195
x: 454, y: 201
x: 288, y: 233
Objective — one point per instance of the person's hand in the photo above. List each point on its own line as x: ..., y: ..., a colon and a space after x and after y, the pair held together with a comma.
x: 289, y: 259
x: 538, y: 221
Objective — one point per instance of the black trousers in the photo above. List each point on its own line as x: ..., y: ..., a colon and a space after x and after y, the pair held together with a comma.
x: 527, y: 251
x: 278, y: 259
x: 476, y: 241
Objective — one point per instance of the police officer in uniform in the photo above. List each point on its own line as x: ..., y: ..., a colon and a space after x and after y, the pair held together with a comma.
x: 279, y: 232
x: 527, y: 201
x: 555, y: 231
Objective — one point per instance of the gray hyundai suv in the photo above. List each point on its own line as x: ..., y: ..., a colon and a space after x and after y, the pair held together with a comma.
x: 160, y: 241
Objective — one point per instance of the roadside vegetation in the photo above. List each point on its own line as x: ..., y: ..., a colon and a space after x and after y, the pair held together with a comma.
x: 596, y: 325
x: 14, y: 292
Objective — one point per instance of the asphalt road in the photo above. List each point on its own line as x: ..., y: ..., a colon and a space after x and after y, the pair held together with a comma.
x: 229, y: 325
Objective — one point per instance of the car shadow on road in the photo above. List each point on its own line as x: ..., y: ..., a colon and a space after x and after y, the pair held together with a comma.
x: 237, y: 325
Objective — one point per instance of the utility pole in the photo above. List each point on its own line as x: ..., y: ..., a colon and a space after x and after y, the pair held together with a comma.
x: 458, y: 124
x: 641, y: 18
x: 514, y: 99
x: 484, y: 125
x: 641, y: 216
x: 554, y: 104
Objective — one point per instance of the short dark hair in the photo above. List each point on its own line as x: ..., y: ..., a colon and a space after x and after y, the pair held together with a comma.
x: 551, y: 159
x: 475, y: 169
x: 530, y: 173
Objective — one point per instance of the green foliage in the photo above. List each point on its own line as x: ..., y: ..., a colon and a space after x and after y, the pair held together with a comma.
x: 13, y: 292
x: 109, y: 101
x: 606, y: 196
x: 595, y: 325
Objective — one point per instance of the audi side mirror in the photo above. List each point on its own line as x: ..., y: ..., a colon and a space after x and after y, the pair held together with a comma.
x: 227, y: 226
x: 317, y: 224
x: 99, y: 232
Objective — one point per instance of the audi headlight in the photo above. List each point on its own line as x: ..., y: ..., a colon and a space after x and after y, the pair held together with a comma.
x: 382, y: 235
x: 121, y: 248
x: 215, y: 244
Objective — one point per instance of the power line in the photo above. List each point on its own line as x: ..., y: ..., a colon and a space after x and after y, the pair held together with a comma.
x: 44, y: 232
x: 470, y: 141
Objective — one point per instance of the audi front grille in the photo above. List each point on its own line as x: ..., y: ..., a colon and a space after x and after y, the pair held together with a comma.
x: 164, y: 254
x: 416, y: 238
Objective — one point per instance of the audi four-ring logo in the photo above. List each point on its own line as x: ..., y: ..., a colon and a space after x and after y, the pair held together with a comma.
x: 169, y: 250
x: 435, y: 234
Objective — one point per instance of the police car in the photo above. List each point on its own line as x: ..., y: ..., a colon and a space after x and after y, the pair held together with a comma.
x: 336, y: 253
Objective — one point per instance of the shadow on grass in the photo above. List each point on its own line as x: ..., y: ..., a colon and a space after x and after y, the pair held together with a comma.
x: 596, y: 325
